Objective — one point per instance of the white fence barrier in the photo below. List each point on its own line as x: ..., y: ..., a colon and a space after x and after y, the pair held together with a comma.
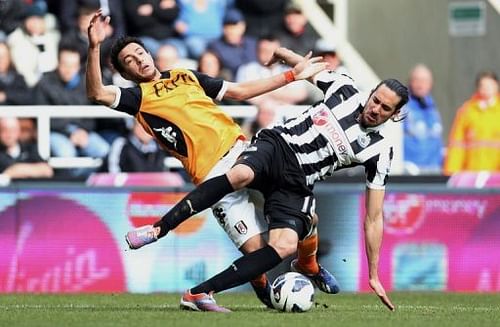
x: 44, y: 115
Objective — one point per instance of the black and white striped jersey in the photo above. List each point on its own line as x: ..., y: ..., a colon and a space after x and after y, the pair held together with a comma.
x: 328, y: 137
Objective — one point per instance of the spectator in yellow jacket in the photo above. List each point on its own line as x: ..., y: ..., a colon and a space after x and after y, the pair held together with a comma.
x: 474, y: 142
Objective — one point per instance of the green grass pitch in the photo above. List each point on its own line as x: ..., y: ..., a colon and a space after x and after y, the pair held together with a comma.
x: 127, y: 310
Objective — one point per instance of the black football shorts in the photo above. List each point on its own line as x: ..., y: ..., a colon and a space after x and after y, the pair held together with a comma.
x: 289, y: 202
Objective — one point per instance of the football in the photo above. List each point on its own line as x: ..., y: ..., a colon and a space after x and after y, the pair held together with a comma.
x: 292, y: 292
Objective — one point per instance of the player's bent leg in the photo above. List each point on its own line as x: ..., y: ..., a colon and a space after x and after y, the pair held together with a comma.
x: 240, y: 176
x: 323, y: 279
x: 244, y: 224
x: 260, y: 284
x: 200, y: 302
x: 263, y: 291
x: 202, y: 197
x: 307, y: 250
x: 141, y: 236
x: 308, y: 265
x: 240, y: 271
x: 241, y: 220
x: 214, y: 187
x: 284, y: 241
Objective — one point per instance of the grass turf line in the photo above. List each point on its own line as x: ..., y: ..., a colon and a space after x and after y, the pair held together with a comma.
x: 413, y: 309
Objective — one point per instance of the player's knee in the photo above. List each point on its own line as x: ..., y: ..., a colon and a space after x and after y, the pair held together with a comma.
x: 240, y: 176
x: 253, y: 244
x: 315, y: 219
x: 284, y: 247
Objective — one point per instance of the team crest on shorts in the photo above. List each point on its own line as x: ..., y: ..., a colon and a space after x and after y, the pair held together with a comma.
x: 241, y: 227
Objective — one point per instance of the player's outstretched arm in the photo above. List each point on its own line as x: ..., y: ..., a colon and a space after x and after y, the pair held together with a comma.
x: 374, y: 227
x: 96, y: 91
x: 290, y: 58
x: 307, y: 67
x: 285, y: 56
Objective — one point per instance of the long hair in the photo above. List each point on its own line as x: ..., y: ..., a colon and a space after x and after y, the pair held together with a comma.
x: 401, y: 90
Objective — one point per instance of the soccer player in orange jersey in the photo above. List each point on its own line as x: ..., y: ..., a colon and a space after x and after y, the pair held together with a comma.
x: 176, y: 107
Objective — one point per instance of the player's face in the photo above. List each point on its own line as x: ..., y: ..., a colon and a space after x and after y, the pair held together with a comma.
x: 137, y: 63
x: 380, y: 107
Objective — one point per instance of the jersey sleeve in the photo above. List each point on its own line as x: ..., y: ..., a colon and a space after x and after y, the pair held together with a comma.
x: 329, y: 81
x: 127, y: 100
x: 378, y: 168
x: 213, y: 87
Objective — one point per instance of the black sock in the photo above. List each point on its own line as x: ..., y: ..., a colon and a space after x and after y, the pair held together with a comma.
x: 202, y: 197
x: 241, y: 271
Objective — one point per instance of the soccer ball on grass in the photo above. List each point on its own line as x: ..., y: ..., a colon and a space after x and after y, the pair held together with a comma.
x: 292, y: 292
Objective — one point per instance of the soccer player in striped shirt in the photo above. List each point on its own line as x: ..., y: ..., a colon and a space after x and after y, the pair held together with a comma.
x: 177, y: 108
x: 284, y: 162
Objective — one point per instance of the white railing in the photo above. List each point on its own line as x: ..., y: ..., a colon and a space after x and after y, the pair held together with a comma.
x: 495, y: 4
x: 336, y: 33
x: 44, y: 114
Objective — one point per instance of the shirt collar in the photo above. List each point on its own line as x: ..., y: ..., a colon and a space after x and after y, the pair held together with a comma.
x: 14, y: 151
x: 367, y: 130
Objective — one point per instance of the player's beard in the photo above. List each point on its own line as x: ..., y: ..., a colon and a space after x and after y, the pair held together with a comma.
x: 365, y: 120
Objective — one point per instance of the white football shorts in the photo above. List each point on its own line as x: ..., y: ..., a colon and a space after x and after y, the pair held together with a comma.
x: 239, y: 213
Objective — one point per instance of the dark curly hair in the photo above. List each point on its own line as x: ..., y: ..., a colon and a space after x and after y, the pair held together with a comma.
x: 399, y: 88
x: 118, y: 46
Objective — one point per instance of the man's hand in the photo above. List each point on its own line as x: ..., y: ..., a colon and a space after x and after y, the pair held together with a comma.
x: 97, y: 29
x: 80, y: 138
x: 285, y: 56
x: 380, y: 291
x: 308, y: 67
x: 277, y: 57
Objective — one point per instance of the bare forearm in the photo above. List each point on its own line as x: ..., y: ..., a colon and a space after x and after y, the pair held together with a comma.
x: 287, y: 56
x: 373, y: 240
x: 290, y: 58
x: 93, y: 74
x: 250, y: 89
x: 29, y: 170
x: 282, y: 95
x: 96, y: 91
x: 305, y: 68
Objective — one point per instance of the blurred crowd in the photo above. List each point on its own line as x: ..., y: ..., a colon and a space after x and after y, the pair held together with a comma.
x: 474, y: 140
x: 43, y: 49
